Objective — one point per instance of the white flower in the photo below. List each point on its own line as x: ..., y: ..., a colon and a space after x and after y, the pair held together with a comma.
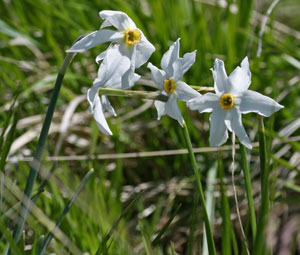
x: 132, y: 42
x: 169, y: 80
x: 232, y: 99
x: 109, y: 76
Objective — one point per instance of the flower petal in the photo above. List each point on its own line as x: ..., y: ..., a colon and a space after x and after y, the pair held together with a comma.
x: 206, y: 103
x: 218, y: 131
x: 240, y: 79
x: 91, y: 97
x: 119, y: 20
x: 220, y: 77
x: 100, y: 118
x: 144, y: 50
x: 252, y: 101
x: 157, y: 75
x: 161, y: 108
x: 170, y: 57
x: 170, y: 108
x: 129, y: 78
x: 182, y: 65
x: 185, y: 92
x: 113, y: 67
x: 101, y: 56
x: 95, y: 38
x: 235, y: 118
x: 106, y: 106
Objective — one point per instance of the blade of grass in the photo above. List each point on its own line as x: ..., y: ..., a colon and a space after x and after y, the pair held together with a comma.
x: 264, y: 208
x: 247, y: 178
x: 39, y: 245
x: 8, y: 237
x: 10, y: 113
x: 113, y: 228
x: 66, y: 210
x: 9, y: 140
x: 4, y: 152
x: 172, y: 248
x: 210, y: 239
x: 146, y: 240
x: 190, y: 247
x: 225, y: 212
x: 165, y: 227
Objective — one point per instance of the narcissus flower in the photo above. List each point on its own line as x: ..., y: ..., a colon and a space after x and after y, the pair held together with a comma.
x: 232, y: 99
x: 109, y: 76
x: 131, y: 42
x: 169, y: 80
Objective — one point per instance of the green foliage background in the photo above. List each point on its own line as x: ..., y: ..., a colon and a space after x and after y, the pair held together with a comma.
x: 34, y: 35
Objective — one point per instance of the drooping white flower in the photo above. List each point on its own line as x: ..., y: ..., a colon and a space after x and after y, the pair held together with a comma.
x: 232, y: 99
x: 131, y: 42
x: 109, y: 76
x: 169, y: 80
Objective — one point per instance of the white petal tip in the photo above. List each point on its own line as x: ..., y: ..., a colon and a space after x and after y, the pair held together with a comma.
x: 245, y: 63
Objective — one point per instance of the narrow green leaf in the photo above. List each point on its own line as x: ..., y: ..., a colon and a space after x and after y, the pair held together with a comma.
x: 259, y: 244
x: 209, y: 234
x: 247, y: 178
x: 66, y: 210
x: 8, y: 142
x: 165, y: 227
x: 146, y: 240
x: 113, y: 228
x: 225, y: 212
x: 39, y: 245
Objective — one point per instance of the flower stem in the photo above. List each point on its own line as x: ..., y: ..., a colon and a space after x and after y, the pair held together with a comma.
x: 247, y: 177
x: 203, y: 89
x: 35, y: 164
x: 133, y: 94
x: 210, y: 239
x: 264, y: 208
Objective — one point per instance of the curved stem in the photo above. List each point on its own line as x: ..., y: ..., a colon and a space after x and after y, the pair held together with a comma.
x: 35, y: 164
x: 210, y: 239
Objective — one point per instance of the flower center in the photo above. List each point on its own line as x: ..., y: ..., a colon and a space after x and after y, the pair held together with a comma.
x: 226, y: 101
x: 169, y: 86
x: 132, y: 36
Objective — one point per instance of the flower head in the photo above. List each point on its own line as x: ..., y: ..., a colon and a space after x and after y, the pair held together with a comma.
x: 131, y: 42
x: 232, y: 99
x: 109, y: 76
x: 169, y: 80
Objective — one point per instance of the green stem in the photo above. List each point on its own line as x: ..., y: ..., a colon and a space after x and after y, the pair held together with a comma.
x: 264, y: 208
x: 39, y: 151
x: 156, y: 95
x: 203, y: 89
x: 133, y: 94
x: 248, y: 189
x: 209, y: 235
x: 225, y: 210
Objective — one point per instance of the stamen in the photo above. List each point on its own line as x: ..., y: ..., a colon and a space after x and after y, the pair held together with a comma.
x: 226, y: 101
x: 132, y: 36
x: 169, y: 86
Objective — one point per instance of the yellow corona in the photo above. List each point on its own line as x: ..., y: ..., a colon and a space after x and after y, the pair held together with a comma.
x: 132, y: 36
x: 226, y: 101
x: 169, y: 86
